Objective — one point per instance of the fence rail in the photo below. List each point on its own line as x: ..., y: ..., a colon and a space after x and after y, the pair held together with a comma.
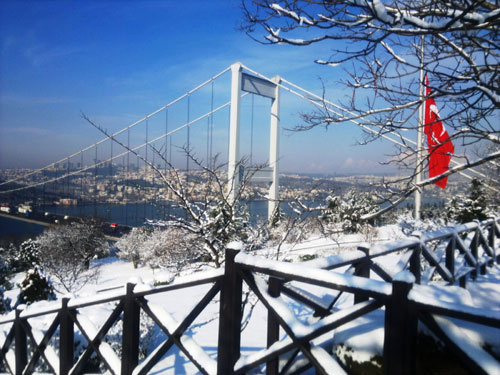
x: 448, y: 256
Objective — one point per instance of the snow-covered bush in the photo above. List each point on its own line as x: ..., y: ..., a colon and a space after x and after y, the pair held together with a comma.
x: 293, y: 230
x: 410, y: 226
x: 4, y: 302
x: 4, y: 284
x: 36, y: 286
x: 462, y: 209
x: 257, y: 235
x: 348, y: 212
x: 131, y: 245
x: 8, y: 255
x: 29, y: 255
x: 170, y: 248
x: 210, y: 227
x: 224, y: 223
x: 4, y: 269
x: 22, y: 258
x: 66, y: 252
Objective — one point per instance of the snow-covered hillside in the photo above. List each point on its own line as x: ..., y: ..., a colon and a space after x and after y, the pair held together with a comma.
x: 360, y: 340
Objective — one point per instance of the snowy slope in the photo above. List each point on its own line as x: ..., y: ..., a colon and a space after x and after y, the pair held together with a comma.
x: 363, y: 336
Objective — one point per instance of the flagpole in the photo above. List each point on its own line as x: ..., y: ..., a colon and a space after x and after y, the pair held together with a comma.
x: 420, y: 135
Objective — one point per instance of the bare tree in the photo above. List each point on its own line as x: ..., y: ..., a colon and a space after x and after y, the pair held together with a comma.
x: 213, y: 219
x: 66, y: 251
x: 379, y: 45
x: 131, y: 245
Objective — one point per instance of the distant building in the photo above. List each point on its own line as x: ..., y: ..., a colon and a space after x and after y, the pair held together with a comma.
x: 68, y: 202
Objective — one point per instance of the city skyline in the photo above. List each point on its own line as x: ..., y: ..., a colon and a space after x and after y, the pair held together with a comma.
x: 118, y: 62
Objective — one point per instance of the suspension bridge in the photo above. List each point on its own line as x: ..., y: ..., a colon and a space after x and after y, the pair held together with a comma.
x: 231, y: 117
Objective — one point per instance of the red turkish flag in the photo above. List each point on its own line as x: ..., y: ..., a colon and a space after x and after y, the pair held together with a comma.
x: 438, y: 141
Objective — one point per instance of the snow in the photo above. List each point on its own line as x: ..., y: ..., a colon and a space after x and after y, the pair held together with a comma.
x: 283, y: 311
x: 3, y: 336
x: 335, y: 260
x: 450, y: 298
x: 11, y: 359
x: 381, y: 12
x: 382, y: 249
x: 49, y: 352
x: 256, y: 357
x: 199, y: 355
x: 361, y: 339
x: 196, y: 352
x: 365, y: 336
x: 105, y: 349
x: 168, y: 321
x: 391, y: 51
x: 405, y: 276
x: 326, y: 361
x: 315, y: 276
x: 42, y: 307
x: 341, y: 314
x: 282, y: 11
x: 235, y: 245
x: 205, y: 276
x: 323, y: 62
x: 469, y: 345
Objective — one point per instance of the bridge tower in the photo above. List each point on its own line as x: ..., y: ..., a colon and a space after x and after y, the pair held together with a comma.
x: 252, y: 84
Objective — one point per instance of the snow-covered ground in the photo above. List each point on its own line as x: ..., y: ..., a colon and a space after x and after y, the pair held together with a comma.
x: 362, y: 338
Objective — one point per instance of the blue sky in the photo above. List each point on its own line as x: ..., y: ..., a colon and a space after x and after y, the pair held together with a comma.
x: 117, y: 61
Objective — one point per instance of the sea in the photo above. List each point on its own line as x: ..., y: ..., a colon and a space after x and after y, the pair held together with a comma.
x: 12, y: 230
x: 133, y: 214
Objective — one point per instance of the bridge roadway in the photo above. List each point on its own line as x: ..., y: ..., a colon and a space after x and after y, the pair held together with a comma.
x: 44, y: 223
x: 26, y: 219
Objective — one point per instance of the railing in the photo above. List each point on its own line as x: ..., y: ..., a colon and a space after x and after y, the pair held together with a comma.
x: 449, y: 256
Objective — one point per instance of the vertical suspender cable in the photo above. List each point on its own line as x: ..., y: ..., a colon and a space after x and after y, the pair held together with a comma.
x: 56, y: 183
x: 25, y: 195
x: 127, y: 185
x: 111, y: 160
x: 73, y: 183
x: 95, y: 182
x: 82, y: 194
x: 110, y: 178
x: 188, y: 144
x: 146, y: 169
x: 166, y: 158
x: 138, y: 188
x: 165, y: 151
x: 43, y: 186
x: 122, y: 180
x: 228, y: 131
x: 211, y: 126
x: 251, y: 131
x: 208, y: 142
x: 188, y: 140
x: 170, y: 149
x: 153, y: 208
x: 67, y: 178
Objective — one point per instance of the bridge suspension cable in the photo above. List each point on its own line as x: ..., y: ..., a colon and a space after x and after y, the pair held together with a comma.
x: 213, y: 78
x: 136, y: 148
x: 320, y: 102
x: 294, y: 89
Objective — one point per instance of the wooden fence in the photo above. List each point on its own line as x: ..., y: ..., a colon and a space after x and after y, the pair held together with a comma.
x: 450, y: 255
